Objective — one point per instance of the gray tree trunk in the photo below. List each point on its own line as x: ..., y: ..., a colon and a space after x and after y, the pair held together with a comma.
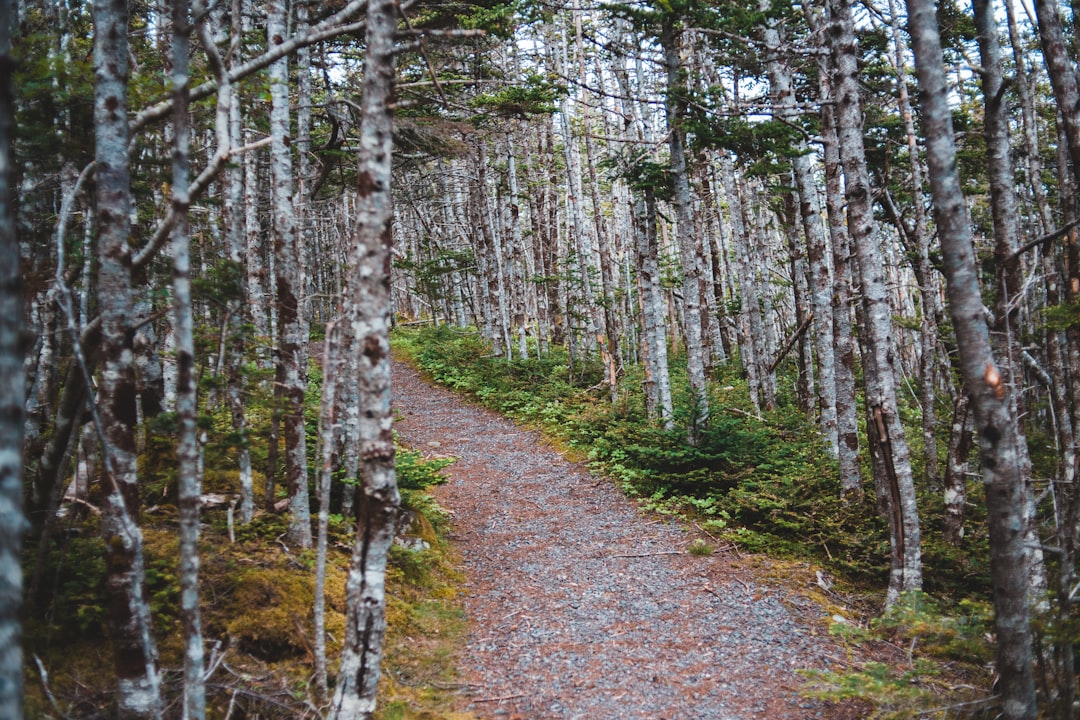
x: 187, y: 449
x: 291, y: 290
x: 368, y: 291
x: 688, y: 251
x: 135, y: 653
x: 1005, y: 337
x: 12, y: 393
x: 995, y: 425
x: 810, y: 211
x: 884, y: 429
x: 847, y: 423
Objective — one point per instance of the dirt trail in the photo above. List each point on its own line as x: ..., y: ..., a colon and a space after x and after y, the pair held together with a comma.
x: 582, y: 607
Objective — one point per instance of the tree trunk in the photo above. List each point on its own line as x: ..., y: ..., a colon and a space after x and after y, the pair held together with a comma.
x: 810, y: 211
x: 924, y: 271
x: 291, y: 292
x: 12, y: 393
x: 847, y: 424
x: 956, y: 470
x: 139, y: 683
x: 1005, y: 337
x: 187, y: 450
x: 997, y: 427
x: 675, y: 107
x: 888, y: 442
x: 369, y: 293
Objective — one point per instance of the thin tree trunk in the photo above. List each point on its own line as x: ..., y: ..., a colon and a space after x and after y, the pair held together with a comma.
x: 12, y: 393
x: 956, y: 470
x: 369, y: 293
x: 328, y: 431
x: 1005, y: 337
x: 997, y: 428
x: 888, y: 441
x: 810, y: 211
x: 847, y: 425
x: 291, y: 292
x: 928, y: 288
x: 135, y: 653
x: 688, y: 252
x: 187, y: 449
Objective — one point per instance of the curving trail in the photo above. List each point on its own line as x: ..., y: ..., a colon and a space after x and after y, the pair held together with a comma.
x: 581, y: 607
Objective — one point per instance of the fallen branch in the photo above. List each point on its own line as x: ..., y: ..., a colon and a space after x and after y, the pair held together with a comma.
x: 791, y: 342
x: 641, y: 555
x: 499, y: 699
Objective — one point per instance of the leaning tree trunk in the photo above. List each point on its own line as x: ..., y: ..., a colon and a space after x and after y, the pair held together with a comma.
x: 996, y: 425
x: 368, y: 290
x: 884, y: 429
x: 12, y: 393
x: 135, y: 654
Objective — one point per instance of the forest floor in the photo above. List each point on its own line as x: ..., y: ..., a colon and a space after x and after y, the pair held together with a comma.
x: 582, y: 606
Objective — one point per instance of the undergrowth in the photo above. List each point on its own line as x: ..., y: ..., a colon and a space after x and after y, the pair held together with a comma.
x: 258, y: 596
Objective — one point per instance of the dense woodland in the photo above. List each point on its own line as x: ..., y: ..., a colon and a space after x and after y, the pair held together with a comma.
x: 211, y: 214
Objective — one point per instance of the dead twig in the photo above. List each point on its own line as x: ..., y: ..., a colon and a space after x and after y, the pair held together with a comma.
x: 499, y: 699
x: 642, y: 555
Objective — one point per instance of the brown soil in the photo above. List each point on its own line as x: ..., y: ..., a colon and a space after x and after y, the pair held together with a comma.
x: 582, y: 606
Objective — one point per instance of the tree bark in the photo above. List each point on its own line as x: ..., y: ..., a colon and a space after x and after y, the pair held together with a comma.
x: 688, y: 252
x: 369, y: 292
x: 878, y: 371
x: 291, y: 292
x: 847, y: 424
x: 996, y: 426
x: 1006, y: 331
x: 12, y: 394
x: 135, y: 653
x: 810, y: 211
x: 187, y: 450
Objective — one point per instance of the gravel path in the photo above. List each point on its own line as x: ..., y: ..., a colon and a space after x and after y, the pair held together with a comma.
x: 580, y: 606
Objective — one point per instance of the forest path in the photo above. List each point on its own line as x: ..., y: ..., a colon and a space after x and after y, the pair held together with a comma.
x: 581, y: 607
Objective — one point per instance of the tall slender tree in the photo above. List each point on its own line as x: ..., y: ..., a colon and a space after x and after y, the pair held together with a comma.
x: 996, y: 425
x: 368, y: 292
x: 135, y: 652
x: 12, y: 394
x: 884, y: 429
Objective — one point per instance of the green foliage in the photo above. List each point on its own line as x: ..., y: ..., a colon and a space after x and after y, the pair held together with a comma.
x: 416, y: 473
x: 536, y: 95
x: 907, y: 690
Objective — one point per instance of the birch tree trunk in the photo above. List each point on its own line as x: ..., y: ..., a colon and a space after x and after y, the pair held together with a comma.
x: 956, y: 470
x: 292, y: 325
x: 368, y: 289
x: 810, y: 211
x: 924, y: 271
x: 847, y: 423
x: 688, y: 252
x: 654, y: 332
x: 187, y: 449
x: 1005, y: 338
x: 884, y: 429
x: 12, y: 394
x: 996, y: 426
x: 135, y: 653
